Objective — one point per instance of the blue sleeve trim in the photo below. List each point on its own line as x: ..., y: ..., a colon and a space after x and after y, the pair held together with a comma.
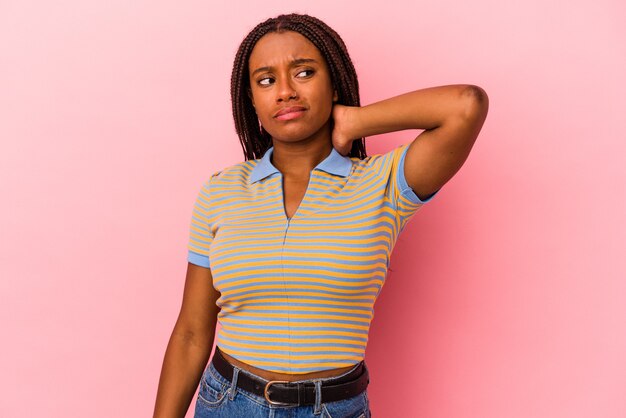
x: 198, y: 259
x: 405, y: 189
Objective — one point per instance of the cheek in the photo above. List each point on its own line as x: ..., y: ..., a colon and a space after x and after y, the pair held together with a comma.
x: 263, y: 113
x: 259, y: 106
x: 326, y: 104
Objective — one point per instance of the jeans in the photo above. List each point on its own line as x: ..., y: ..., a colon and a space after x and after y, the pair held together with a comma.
x: 218, y: 398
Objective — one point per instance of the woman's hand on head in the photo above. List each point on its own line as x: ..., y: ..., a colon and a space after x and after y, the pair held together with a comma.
x: 344, y: 131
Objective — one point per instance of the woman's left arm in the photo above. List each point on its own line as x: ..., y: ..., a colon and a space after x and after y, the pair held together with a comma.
x: 451, y: 117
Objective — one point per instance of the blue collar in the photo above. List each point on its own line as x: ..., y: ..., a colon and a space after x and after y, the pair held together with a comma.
x: 334, y: 163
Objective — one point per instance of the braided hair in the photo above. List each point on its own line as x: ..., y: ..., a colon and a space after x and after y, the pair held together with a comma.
x: 255, y: 140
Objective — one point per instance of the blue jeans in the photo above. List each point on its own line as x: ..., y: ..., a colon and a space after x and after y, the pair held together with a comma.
x: 218, y: 398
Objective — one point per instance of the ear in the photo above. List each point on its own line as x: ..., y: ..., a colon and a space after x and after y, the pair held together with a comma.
x: 335, y: 96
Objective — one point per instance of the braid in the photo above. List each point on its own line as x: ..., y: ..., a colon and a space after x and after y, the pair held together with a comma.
x: 255, y: 140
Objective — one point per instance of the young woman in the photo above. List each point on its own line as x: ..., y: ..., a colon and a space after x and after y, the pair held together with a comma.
x: 289, y: 249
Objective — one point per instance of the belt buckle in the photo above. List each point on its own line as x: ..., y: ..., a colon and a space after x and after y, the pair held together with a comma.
x: 267, y: 398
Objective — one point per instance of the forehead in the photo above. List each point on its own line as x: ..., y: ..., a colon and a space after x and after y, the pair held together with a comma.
x: 276, y: 48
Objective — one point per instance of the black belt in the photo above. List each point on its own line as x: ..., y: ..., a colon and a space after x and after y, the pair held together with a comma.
x: 279, y: 392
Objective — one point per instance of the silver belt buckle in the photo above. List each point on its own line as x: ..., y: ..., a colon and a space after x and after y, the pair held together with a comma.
x: 267, y: 398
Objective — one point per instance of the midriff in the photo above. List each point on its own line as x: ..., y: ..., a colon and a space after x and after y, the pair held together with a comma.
x: 268, y: 375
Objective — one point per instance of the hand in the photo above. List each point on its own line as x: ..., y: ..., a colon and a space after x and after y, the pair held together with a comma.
x: 343, y: 131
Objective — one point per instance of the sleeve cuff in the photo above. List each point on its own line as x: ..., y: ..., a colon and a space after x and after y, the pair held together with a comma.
x: 405, y: 189
x: 198, y: 259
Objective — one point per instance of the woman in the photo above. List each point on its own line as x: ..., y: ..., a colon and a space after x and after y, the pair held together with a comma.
x: 290, y: 248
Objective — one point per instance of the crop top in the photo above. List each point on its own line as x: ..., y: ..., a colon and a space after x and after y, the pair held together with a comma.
x: 297, y: 295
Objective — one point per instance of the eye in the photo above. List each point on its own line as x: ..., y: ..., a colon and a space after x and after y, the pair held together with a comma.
x: 305, y: 71
x: 265, y: 81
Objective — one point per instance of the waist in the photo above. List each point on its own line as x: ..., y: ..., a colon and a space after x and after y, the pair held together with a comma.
x: 270, y: 375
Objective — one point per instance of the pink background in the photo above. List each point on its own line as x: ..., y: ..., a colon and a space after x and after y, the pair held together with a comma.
x: 507, y: 296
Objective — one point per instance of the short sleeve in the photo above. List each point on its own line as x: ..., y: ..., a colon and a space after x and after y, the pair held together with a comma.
x: 200, y: 230
x: 403, y: 197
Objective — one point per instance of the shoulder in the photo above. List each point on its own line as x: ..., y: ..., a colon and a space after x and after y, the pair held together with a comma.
x: 378, y: 162
x: 239, y: 172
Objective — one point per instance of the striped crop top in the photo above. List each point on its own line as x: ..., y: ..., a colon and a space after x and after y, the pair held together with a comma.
x: 297, y: 295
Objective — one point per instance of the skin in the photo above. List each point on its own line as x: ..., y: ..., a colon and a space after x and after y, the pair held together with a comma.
x: 190, y: 344
x: 451, y: 117
x: 277, y: 81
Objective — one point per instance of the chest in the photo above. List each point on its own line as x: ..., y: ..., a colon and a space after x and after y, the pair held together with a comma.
x: 293, y: 193
x: 305, y: 231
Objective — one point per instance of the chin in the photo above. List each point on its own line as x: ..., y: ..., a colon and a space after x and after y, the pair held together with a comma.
x: 297, y: 133
x: 294, y: 136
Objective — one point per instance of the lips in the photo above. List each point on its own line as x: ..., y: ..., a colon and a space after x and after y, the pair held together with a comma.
x: 288, y: 110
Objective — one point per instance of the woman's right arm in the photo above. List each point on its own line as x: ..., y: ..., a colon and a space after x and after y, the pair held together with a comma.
x: 189, y: 346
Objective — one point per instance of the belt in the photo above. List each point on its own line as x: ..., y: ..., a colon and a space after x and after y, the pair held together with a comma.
x: 279, y: 392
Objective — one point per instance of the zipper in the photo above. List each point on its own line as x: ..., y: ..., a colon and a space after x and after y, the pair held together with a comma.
x: 285, y: 234
x: 282, y: 266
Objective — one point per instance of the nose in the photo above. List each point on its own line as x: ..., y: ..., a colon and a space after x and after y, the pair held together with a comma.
x: 286, y: 89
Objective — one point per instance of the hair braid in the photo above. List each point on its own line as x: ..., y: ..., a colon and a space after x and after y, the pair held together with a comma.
x: 255, y: 140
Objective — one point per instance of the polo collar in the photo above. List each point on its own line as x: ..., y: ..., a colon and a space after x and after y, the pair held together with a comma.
x: 334, y: 163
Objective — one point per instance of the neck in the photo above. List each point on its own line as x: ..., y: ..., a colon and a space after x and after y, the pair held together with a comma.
x: 298, y: 159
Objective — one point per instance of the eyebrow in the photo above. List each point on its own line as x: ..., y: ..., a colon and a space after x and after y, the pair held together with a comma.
x: 293, y: 63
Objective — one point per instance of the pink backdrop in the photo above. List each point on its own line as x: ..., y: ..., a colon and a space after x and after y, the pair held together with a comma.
x: 507, y: 296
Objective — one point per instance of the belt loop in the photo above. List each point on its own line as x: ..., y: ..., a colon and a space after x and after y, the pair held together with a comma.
x: 233, y: 386
x: 318, y: 397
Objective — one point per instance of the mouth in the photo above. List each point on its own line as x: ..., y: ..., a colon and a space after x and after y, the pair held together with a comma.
x: 289, y: 113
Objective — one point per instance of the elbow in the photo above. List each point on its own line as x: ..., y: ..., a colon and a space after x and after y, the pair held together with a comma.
x: 475, y: 93
x: 475, y: 103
